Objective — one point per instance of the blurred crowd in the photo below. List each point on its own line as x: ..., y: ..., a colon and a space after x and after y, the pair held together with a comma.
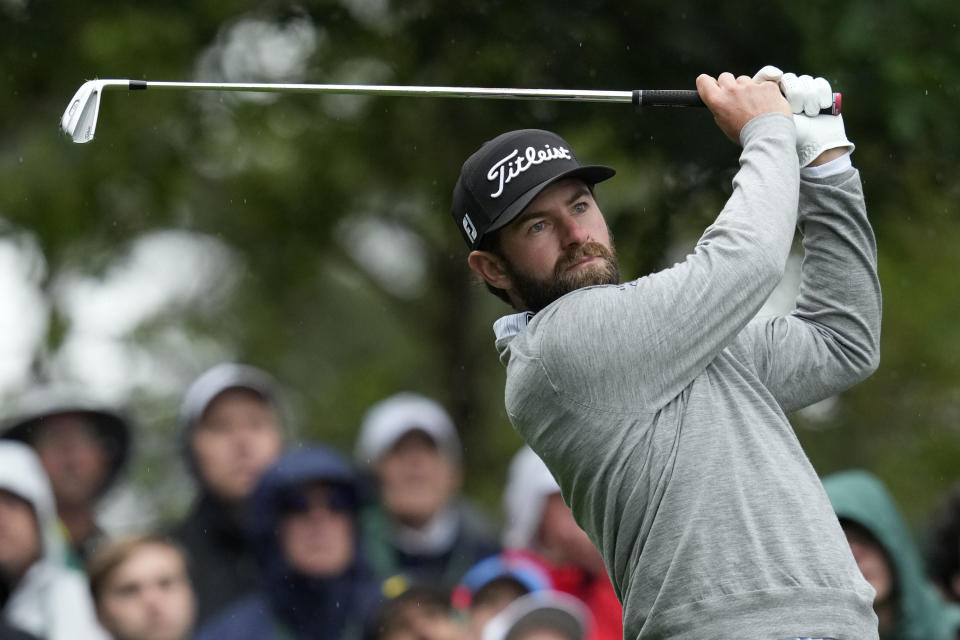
x: 306, y: 542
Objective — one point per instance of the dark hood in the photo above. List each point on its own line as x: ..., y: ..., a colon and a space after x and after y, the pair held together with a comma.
x: 312, y: 607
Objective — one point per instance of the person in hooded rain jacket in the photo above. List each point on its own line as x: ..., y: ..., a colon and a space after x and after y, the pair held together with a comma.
x: 84, y: 447
x: 422, y: 527
x: 42, y: 596
x: 316, y: 584
x: 232, y: 428
x: 906, y: 604
x: 538, y: 522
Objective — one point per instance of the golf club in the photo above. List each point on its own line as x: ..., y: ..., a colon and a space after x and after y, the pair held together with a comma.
x: 79, y: 121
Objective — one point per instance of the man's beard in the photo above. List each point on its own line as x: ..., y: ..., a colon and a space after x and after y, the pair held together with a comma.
x: 537, y: 294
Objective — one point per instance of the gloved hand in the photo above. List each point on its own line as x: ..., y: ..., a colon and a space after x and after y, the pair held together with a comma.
x: 806, y: 96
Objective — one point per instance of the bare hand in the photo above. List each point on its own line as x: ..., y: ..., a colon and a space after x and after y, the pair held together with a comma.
x: 736, y: 101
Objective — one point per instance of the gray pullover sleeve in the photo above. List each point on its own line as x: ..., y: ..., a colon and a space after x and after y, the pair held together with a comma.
x: 831, y: 340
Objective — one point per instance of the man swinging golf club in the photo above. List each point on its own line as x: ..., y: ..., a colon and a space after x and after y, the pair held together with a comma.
x: 659, y: 404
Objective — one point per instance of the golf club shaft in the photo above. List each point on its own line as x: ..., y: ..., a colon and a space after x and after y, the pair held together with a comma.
x: 639, y: 97
x: 79, y: 120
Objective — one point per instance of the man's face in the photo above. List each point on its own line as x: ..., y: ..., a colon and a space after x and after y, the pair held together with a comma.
x: 558, y: 244
x: 562, y: 541
x: 871, y: 559
x: 148, y: 596
x: 416, y: 479
x: 490, y: 600
x: 318, y: 539
x: 20, y: 543
x: 237, y: 439
x: 421, y: 620
x: 75, y: 458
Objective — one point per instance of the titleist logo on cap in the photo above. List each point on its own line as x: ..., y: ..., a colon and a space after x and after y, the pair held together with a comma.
x: 514, y: 164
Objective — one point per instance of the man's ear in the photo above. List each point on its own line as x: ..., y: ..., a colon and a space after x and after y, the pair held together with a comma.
x: 490, y: 267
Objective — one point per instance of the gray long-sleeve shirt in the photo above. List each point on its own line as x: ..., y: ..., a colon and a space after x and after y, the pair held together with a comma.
x: 659, y: 405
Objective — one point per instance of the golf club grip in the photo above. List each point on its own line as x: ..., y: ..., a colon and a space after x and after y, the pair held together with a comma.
x: 690, y: 98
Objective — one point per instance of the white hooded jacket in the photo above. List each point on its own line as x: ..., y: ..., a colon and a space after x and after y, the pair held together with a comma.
x: 529, y: 485
x: 51, y: 600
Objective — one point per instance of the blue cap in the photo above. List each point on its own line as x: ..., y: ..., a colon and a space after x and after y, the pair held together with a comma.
x: 509, y: 564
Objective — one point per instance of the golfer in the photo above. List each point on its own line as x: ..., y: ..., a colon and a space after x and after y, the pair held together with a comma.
x: 659, y: 404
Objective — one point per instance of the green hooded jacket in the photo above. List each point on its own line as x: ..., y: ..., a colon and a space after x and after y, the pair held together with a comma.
x: 861, y: 497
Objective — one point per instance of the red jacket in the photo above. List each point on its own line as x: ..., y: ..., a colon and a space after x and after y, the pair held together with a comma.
x: 595, y: 591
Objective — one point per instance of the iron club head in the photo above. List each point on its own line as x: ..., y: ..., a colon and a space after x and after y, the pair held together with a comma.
x: 79, y: 121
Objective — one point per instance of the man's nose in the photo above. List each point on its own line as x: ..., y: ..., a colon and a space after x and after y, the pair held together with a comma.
x: 574, y: 233
x: 152, y: 597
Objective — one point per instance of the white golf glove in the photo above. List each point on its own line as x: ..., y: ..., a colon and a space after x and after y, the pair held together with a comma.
x: 815, y: 133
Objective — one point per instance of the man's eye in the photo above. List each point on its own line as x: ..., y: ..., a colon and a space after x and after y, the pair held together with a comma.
x: 580, y: 207
x: 537, y: 227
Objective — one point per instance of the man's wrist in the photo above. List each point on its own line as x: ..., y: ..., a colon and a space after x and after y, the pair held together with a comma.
x: 828, y: 155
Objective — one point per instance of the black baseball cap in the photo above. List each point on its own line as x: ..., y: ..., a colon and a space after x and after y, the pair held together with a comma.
x: 501, y: 178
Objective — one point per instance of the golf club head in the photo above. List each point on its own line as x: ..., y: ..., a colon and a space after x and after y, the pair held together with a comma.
x: 79, y: 121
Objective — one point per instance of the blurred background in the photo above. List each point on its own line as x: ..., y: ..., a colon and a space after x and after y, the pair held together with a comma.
x: 310, y: 235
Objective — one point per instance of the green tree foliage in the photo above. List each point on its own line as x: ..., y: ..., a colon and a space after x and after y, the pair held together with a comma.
x: 316, y: 195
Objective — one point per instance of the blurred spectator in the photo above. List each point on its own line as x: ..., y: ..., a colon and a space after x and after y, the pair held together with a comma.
x: 141, y: 589
x: 315, y: 584
x: 538, y: 521
x: 543, y: 615
x: 907, y: 606
x: 417, y: 612
x: 42, y: 595
x: 231, y: 431
x: 83, y: 448
x: 943, y: 553
x: 428, y: 531
x: 493, y: 583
